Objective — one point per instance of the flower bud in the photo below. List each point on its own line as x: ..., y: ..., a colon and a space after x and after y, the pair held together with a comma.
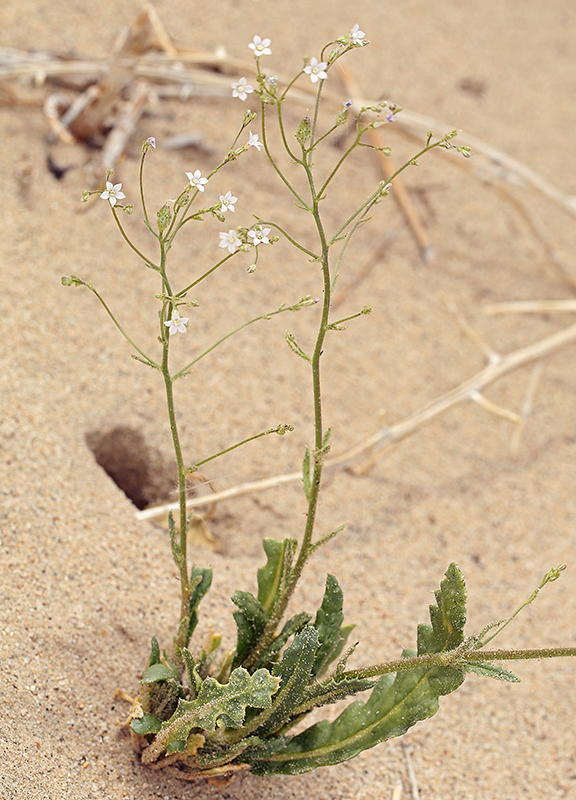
x: 164, y: 217
x: 248, y: 117
x: 304, y: 131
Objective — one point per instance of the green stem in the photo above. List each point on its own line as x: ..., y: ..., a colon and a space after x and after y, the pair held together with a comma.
x: 292, y: 241
x: 144, y: 209
x: 339, y: 163
x: 315, y: 119
x: 306, y: 547
x: 205, y: 275
x: 184, y: 582
x: 185, y: 586
x: 184, y: 370
x: 115, y: 321
x: 271, y: 159
x: 457, y: 659
x: 147, y: 261
x: 283, y: 135
x: 280, y: 429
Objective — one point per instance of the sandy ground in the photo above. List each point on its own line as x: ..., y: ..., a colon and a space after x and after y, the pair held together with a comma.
x: 84, y: 586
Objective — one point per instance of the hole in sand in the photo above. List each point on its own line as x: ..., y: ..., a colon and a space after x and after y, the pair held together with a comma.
x: 140, y: 471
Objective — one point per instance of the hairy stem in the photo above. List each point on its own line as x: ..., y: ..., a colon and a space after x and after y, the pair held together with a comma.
x: 185, y: 587
x: 306, y: 547
x: 456, y: 658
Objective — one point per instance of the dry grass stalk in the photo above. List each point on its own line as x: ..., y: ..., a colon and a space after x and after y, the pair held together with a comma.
x: 381, y: 248
x: 400, y: 193
x: 530, y: 307
x: 388, y: 436
x: 88, y: 119
x: 124, y: 127
x: 533, y: 384
x: 87, y: 116
x: 397, y: 791
x: 177, y: 67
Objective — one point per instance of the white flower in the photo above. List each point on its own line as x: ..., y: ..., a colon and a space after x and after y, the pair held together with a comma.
x: 177, y: 324
x: 316, y: 70
x: 230, y: 240
x: 197, y: 180
x: 357, y: 36
x: 152, y: 141
x: 259, y: 236
x: 241, y: 89
x: 113, y: 193
x: 253, y: 141
x: 227, y: 202
x: 260, y: 47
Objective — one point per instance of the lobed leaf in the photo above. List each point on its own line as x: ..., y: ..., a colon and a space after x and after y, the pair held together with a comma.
x: 448, y: 616
x: 396, y: 703
x: 217, y: 705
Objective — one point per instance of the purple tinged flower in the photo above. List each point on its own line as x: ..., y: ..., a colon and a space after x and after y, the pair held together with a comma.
x: 253, y: 141
x: 357, y: 37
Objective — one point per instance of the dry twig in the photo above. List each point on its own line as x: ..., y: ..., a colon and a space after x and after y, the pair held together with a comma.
x: 530, y: 307
x: 388, y: 436
x: 387, y: 166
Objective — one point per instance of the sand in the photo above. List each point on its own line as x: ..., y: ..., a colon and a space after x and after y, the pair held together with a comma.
x: 85, y: 586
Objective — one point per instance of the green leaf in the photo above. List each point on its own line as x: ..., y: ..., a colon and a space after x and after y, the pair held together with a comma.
x: 194, y: 678
x: 250, y: 620
x: 294, y: 625
x: 177, y: 746
x: 201, y: 588
x: 396, y: 703
x: 217, y: 705
x: 158, y: 672
x: 328, y: 623
x: 146, y: 724
x: 214, y: 755
x: 448, y: 616
x: 294, y: 671
x: 154, y: 652
x: 272, y: 575
x: 488, y: 670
